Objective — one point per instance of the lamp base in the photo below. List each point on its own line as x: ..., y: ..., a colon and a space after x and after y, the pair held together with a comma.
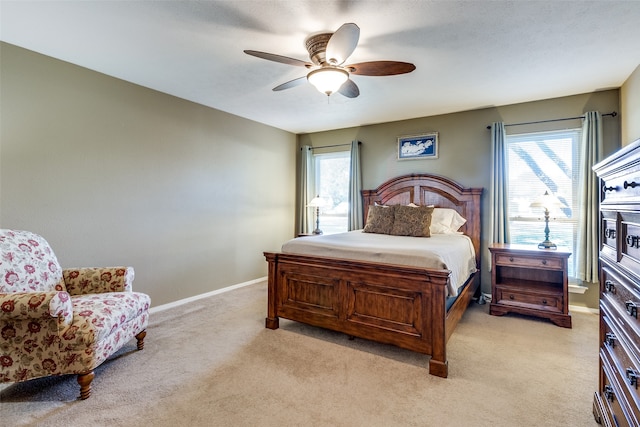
x: 547, y: 245
x: 317, y: 231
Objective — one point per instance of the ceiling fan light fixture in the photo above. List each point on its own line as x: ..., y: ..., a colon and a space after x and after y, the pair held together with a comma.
x: 328, y: 80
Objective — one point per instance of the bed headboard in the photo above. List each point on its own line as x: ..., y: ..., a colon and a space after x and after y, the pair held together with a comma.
x: 425, y: 189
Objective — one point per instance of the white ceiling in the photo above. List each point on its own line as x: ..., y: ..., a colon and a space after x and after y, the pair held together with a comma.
x: 468, y: 54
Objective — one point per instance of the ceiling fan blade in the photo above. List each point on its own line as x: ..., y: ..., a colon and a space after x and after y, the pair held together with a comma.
x: 279, y: 58
x: 342, y: 43
x: 291, y: 83
x: 349, y: 89
x: 380, y: 68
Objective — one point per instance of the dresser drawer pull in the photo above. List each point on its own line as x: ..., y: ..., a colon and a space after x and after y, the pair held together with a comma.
x: 605, y: 189
x: 510, y: 259
x: 631, y: 184
x: 544, y: 262
x: 632, y: 376
x: 633, y: 241
x: 544, y: 302
x: 610, y: 339
x: 608, y: 393
x: 609, y: 286
x: 610, y: 233
x: 632, y: 308
x: 511, y: 297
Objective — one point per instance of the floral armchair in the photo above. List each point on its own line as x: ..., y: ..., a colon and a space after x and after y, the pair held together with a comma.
x: 56, y: 321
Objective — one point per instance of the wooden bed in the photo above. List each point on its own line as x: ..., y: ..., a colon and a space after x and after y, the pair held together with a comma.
x: 393, y: 304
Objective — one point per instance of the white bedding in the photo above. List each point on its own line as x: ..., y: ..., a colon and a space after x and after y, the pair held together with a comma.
x: 453, y: 252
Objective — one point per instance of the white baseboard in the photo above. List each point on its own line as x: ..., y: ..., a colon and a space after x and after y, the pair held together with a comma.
x: 583, y: 309
x: 200, y: 296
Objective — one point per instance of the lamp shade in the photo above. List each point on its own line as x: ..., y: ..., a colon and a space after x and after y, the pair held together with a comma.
x: 316, y: 202
x: 328, y: 80
x: 547, y: 201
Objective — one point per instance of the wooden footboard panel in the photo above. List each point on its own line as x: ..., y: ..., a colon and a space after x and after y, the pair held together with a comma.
x: 403, y: 306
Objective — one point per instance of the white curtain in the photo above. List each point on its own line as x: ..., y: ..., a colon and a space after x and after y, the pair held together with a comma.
x: 355, y: 188
x: 307, y: 176
x: 499, y: 226
x: 588, y: 199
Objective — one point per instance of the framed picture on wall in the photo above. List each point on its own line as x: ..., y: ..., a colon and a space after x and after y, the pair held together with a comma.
x: 423, y: 146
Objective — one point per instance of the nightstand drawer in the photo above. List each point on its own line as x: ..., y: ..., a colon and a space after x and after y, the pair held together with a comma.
x: 529, y: 262
x: 513, y: 296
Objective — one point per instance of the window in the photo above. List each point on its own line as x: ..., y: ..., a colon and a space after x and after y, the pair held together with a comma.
x: 332, y: 184
x: 539, y: 162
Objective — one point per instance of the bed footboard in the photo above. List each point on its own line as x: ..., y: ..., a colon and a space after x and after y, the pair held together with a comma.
x: 403, y: 306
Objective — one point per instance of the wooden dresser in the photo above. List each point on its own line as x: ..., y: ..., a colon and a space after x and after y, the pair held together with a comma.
x: 617, y: 400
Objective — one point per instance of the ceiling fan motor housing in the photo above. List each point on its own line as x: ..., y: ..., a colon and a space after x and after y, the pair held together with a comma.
x: 317, y: 47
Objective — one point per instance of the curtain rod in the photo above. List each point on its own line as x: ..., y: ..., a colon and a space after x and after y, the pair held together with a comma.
x: 612, y: 114
x: 331, y: 146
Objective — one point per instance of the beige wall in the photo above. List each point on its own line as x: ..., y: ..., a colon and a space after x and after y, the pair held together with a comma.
x: 464, y: 151
x: 112, y: 173
x: 630, y: 107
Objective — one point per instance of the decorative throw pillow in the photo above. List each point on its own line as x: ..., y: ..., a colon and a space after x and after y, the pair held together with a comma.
x: 379, y: 219
x: 412, y: 221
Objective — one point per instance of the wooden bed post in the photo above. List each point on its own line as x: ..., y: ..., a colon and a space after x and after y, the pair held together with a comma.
x: 272, y: 321
x: 438, y: 364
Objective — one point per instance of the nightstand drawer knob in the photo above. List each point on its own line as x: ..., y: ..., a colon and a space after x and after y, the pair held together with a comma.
x: 632, y: 376
x: 609, y: 286
x: 511, y: 259
x: 511, y: 297
x: 610, y: 339
x: 544, y: 262
x: 632, y: 308
x: 608, y: 393
x: 544, y: 302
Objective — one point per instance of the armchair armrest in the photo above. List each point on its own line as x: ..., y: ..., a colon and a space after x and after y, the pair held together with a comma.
x: 36, y: 305
x: 97, y: 280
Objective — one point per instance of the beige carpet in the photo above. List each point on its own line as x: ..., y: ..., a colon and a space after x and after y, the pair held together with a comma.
x: 212, y: 363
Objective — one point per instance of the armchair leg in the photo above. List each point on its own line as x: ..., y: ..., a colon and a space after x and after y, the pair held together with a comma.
x: 140, y: 338
x: 85, y: 384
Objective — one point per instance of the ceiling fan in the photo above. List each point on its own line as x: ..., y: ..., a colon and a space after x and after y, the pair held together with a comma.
x: 328, y: 52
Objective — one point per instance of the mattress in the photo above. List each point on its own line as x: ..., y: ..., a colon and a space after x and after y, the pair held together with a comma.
x: 453, y: 252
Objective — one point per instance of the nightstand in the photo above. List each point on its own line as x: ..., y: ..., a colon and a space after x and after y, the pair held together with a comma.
x: 531, y: 281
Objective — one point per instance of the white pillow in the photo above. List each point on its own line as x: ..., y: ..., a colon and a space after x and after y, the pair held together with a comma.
x: 446, y: 221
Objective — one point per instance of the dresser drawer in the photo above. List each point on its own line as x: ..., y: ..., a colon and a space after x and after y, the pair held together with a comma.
x: 614, y: 393
x: 621, y: 299
x: 623, y: 186
x: 623, y: 360
x: 530, y: 261
x: 609, y: 234
x: 544, y: 298
x: 629, y: 240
